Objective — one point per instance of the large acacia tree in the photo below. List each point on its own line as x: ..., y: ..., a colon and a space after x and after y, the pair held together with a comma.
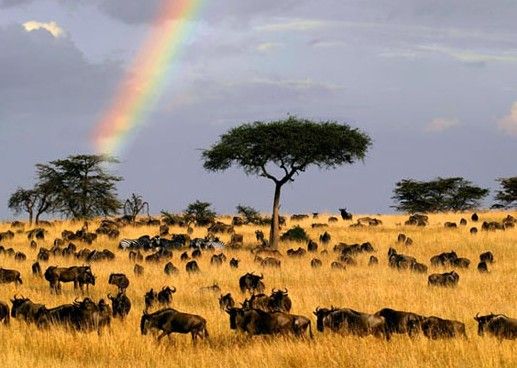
x: 507, y: 195
x: 280, y: 150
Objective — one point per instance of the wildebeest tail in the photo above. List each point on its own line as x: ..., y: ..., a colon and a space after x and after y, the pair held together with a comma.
x: 143, y: 320
x: 310, y: 330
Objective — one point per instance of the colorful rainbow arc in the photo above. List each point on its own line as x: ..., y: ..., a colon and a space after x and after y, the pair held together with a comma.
x: 145, y: 80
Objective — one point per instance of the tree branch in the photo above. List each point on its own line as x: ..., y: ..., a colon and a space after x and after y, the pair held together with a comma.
x: 268, y: 175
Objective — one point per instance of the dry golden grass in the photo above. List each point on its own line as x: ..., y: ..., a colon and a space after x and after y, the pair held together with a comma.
x: 363, y: 288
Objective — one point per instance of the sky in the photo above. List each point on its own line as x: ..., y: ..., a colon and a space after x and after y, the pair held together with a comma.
x: 434, y: 83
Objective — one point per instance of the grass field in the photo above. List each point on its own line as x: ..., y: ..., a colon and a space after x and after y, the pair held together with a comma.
x: 363, y: 288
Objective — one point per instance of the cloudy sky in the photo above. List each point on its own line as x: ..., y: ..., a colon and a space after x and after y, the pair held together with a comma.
x: 433, y: 82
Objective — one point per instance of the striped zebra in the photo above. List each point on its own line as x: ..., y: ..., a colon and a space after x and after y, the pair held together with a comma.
x: 144, y: 242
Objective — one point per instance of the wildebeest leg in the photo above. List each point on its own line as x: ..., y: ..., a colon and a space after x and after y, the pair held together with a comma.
x: 163, y: 334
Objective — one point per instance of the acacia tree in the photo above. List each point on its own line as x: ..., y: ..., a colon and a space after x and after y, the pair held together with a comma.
x: 34, y: 201
x: 134, y: 205
x: 280, y: 150
x: 199, y: 213
x: 507, y: 195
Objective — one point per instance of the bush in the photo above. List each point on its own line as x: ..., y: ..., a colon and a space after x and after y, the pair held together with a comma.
x: 296, y: 234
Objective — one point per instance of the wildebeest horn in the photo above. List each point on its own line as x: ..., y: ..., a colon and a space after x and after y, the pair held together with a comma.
x: 173, y: 289
x: 285, y: 292
x: 477, y: 316
x: 261, y: 275
x: 273, y: 291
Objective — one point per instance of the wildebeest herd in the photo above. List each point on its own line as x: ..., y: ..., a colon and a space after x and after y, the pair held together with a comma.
x: 258, y: 313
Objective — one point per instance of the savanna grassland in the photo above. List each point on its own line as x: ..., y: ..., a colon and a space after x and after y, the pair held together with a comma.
x: 362, y: 288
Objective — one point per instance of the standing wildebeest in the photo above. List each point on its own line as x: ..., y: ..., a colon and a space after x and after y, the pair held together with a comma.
x: 25, y: 310
x: 120, y: 304
x: 150, y: 298
x: 4, y: 313
x: 316, y: 263
x: 435, y: 327
x: 226, y: 301
x: 443, y: 279
x: 138, y: 270
x: 325, y: 237
x: 196, y: 253
x: 271, y: 262
x: 8, y: 276
x: 345, y: 215
x: 252, y: 283
x: 483, y: 267
x: 279, y: 301
x: 498, y: 325
x: 164, y: 296
x: 218, y: 259
x: 487, y: 257
x: 120, y: 280
x: 234, y: 263
x: 36, y: 270
x: 170, y: 269
x: 192, y: 267
x: 79, y: 275
x: 401, y: 322
x: 474, y: 217
x: 350, y: 321
x: 373, y: 261
x: 257, y: 301
x: 170, y: 320
x: 312, y: 246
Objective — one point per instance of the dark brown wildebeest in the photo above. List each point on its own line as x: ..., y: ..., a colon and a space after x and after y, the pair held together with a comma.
x: 20, y: 257
x: 345, y: 215
x: 135, y: 256
x: 192, y: 267
x: 236, y: 240
x: 79, y: 275
x: 461, y: 262
x: 218, y: 259
x: 332, y: 219
x: 348, y: 260
x: 4, y: 313
x: 337, y: 266
x: 435, y: 328
x: 120, y: 304
x: 226, y: 301
x: 352, y: 322
x: 401, y: 238
x: 473, y: 230
x: 234, y: 263
x: 299, y: 217
x: 474, y: 217
x: 279, y: 301
x: 184, y: 256
x: 400, y: 261
x: 265, y: 251
x: 417, y: 219
x: 170, y: 320
x: 444, y: 259
x: 300, y: 252
x: 312, y: 246
x: 6, y: 235
x: 450, y: 225
x: 196, y: 253
x: 36, y: 270
x: 43, y: 255
x: 497, y: 325
x: 165, y: 295
x: 120, y: 280
x: 373, y: 261
x: 259, y: 235
x: 252, y: 283
x: 257, y: 301
x: 483, y: 267
x: 7, y: 276
x: 401, y: 322
x: 463, y: 222
x: 271, y: 262
x: 25, y: 310
x: 138, y: 270
x: 487, y: 257
x: 170, y: 269
x: 418, y: 267
x: 150, y: 298
x: 325, y: 238
x: 448, y: 279
x: 316, y: 263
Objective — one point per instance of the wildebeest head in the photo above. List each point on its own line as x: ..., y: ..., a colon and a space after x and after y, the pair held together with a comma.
x: 165, y: 295
x: 226, y: 301
x: 321, y: 314
x: 149, y: 298
x: 17, y: 303
x: 279, y: 300
x: 144, y: 321
x: 483, y: 322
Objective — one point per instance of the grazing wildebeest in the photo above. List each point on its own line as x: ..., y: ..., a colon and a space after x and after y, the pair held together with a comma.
x: 279, y: 301
x: 345, y: 215
x: 4, y: 313
x: 79, y: 275
x: 196, y: 253
x: 474, y: 217
x: 473, y: 230
x: 300, y: 252
x: 120, y: 304
x: 135, y: 256
x: 252, y: 283
x: 316, y: 263
x: 353, y: 322
x: 483, y: 267
x: 444, y: 259
x: 218, y: 259
x: 444, y: 279
x: 401, y: 322
x: 226, y: 301
x: 170, y: 320
x: 373, y: 261
x: 463, y: 222
x: 337, y: 266
x: 234, y: 263
x: 400, y: 261
x: 418, y: 267
x: 450, y: 225
x: 165, y: 295
x: 138, y: 270
x: 461, y: 262
x: 271, y: 262
x: 20, y: 257
x: 184, y: 256
x: 192, y: 267
x: 36, y: 270
x: 150, y: 298
x: 325, y: 238
x: 7, y: 276
x: 435, y: 328
x: 120, y: 280
x: 24, y: 309
x: 497, y: 325
x: 348, y: 260
x: 312, y: 246
x: 487, y: 257
x: 170, y: 269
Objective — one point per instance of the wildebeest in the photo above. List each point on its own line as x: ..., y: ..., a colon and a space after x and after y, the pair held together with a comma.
x: 345, y: 215
x: 25, y: 310
x: 473, y: 230
x: 120, y: 280
x: 257, y: 301
x: 20, y: 257
x: 325, y: 237
x: 170, y: 320
x: 234, y: 263
x: 271, y: 262
x: 435, y: 328
x: 170, y: 269
x: 36, y: 270
x: 164, y: 296
x: 316, y: 263
x: 138, y: 270
x: 487, y: 257
x: 135, y: 256
x: 401, y: 322
x: 312, y: 246
x: 400, y: 261
x: 373, y: 261
x: 192, y: 267
x: 350, y: 321
x: 450, y: 225
x: 184, y: 256
x: 121, y: 305
x: 337, y: 266
x: 462, y: 262
x: 444, y: 259
x: 43, y: 255
x: 79, y: 275
x: 196, y: 253
x: 300, y: 252
x: 279, y: 301
x: 226, y: 301
x: 482, y: 267
x: 218, y: 259
x: 444, y: 279
x: 497, y: 325
x: 150, y: 298
x: 252, y: 283
x: 418, y: 267
x: 7, y: 276
x: 474, y: 217
x: 4, y: 313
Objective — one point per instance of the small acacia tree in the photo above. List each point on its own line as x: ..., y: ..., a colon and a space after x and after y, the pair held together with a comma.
x: 34, y: 202
x: 280, y: 150
x: 507, y: 195
x: 134, y: 205
x: 199, y: 213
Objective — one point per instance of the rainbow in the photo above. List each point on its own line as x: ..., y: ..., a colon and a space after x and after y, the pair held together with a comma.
x: 145, y: 79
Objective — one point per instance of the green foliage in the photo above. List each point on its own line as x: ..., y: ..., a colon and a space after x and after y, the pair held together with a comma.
x: 507, y: 195
x: 249, y: 214
x: 295, y: 233
x: 439, y: 195
x: 34, y: 201
x: 172, y: 219
x: 134, y: 205
x: 199, y: 213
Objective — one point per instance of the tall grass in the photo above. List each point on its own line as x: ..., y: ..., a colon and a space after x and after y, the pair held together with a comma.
x: 363, y: 288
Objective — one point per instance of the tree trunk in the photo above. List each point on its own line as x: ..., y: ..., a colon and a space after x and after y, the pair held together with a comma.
x: 274, y: 235
x: 30, y: 218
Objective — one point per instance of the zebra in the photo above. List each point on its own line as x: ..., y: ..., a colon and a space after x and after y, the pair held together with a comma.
x: 142, y: 242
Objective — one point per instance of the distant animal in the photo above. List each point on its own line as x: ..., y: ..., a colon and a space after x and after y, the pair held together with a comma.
x: 444, y: 259
x: 474, y: 217
x: 138, y: 270
x: 214, y: 288
x: 36, y: 270
x: 270, y: 262
x: 120, y: 280
x: 234, y: 263
x: 196, y: 253
x: 497, y: 325
x: 170, y: 320
x: 337, y: 266
x: 184, y: 256
x: 121, y: 305
x: 462, y: 262
x: 444, y: 279
x: 79, y: 275
x: 4, y: 313
x: 400, y: 322
x: 435, y: 328
x: 170, y: 269
x: 226, y: 301
x: 487, y: 257
x: 7, y: 276
x: 20, y: 257
x: 150, y: 298
x: 473, y: 230
x: 373, y: 261
x: 482, y: 267
x: 296, y: 252
x: 192, y: 267
x: 218, y: 259
x: 316, y: 263
x: 463, y: 222
x: 252, y: 283
x: 345, y: 215
x: 164, y: 296
x: 312, y: 246
x: 279, y: 301
x: 325, y: 237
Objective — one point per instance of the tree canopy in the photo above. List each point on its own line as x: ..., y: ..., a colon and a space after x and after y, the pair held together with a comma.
x: 438, y: 195
x: 507, y: 195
